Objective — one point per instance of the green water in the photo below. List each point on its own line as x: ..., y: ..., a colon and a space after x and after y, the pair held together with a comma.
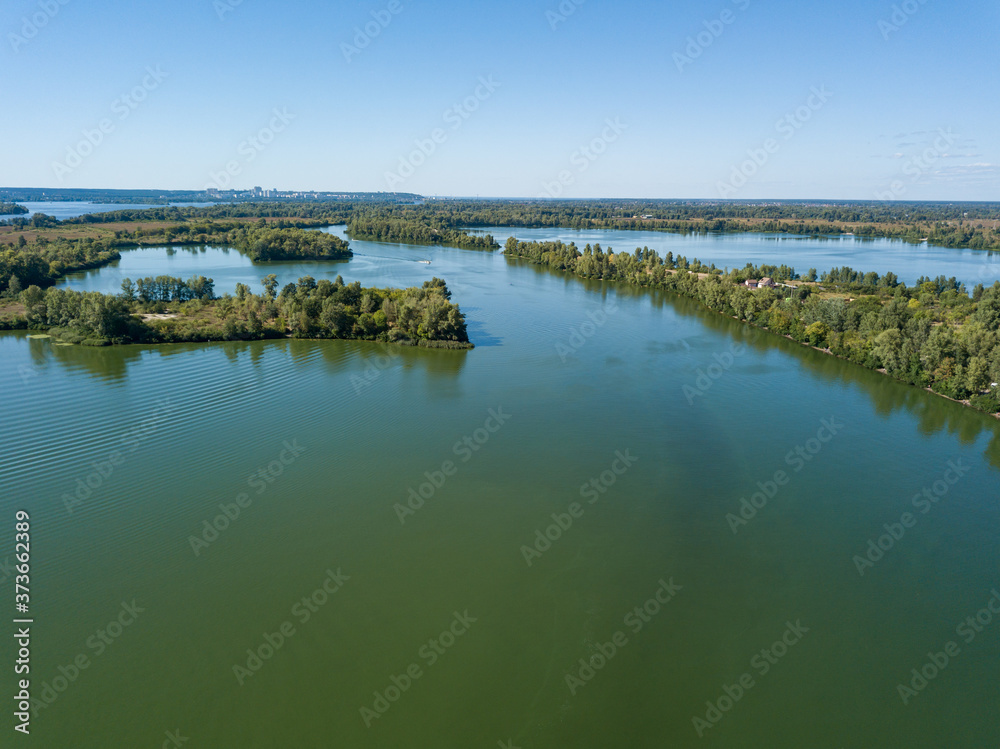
x: 366, y: 423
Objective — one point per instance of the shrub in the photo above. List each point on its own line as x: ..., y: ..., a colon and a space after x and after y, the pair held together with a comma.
x: 989, y: 402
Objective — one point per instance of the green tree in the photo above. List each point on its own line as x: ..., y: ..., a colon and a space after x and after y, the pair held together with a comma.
x: 977, y: 374
x: 889, y: 349
x: 270, y: 284
x: 816, y: 333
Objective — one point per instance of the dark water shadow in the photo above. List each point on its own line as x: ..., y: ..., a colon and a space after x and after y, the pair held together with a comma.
x: 113, y: 363
x: 477, y: 331
x: 933, y: 413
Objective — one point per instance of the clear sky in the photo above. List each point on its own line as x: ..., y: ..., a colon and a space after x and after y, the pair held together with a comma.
x: 907, y: 104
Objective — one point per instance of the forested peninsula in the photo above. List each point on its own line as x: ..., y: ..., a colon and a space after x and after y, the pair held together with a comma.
x: 933, y: 335
x: 416, y: 232
x: 168, y: 310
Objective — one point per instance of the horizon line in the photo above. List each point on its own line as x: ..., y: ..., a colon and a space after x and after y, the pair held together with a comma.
x: 437, y: 196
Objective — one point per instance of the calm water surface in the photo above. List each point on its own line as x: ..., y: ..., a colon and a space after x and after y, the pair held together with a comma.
x: 581, y: 373
x: 64, y: 209
x: 908, y: 261
x: 389, y: 264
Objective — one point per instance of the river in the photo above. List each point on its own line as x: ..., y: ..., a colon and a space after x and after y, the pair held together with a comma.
x: 619, y: 507
x: 64, y: 209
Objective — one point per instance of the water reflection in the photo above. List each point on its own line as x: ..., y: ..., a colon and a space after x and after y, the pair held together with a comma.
x: 933, y: 413
x: 477, y: 329
x: 907, y: 260
x: 113, y: 363
x: 108, y: 363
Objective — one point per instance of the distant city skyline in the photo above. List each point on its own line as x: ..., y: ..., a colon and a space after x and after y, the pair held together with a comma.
x: 732, y: 99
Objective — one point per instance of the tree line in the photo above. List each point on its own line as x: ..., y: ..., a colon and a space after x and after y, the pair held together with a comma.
x: 642, y: 266
x: 262, y: 243
x: 972, y: 225
x: 383, y: 229
x: 167, y: 289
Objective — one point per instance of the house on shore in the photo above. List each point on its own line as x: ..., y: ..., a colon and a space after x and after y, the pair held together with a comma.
x: 764, y: 283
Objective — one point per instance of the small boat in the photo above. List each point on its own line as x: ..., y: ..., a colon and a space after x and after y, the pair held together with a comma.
x: 425, y: 262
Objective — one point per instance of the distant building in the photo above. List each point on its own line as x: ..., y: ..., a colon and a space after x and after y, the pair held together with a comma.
x: 768, y: 282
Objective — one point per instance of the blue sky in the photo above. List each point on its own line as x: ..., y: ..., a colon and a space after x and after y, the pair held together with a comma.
x: 908, y: 110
